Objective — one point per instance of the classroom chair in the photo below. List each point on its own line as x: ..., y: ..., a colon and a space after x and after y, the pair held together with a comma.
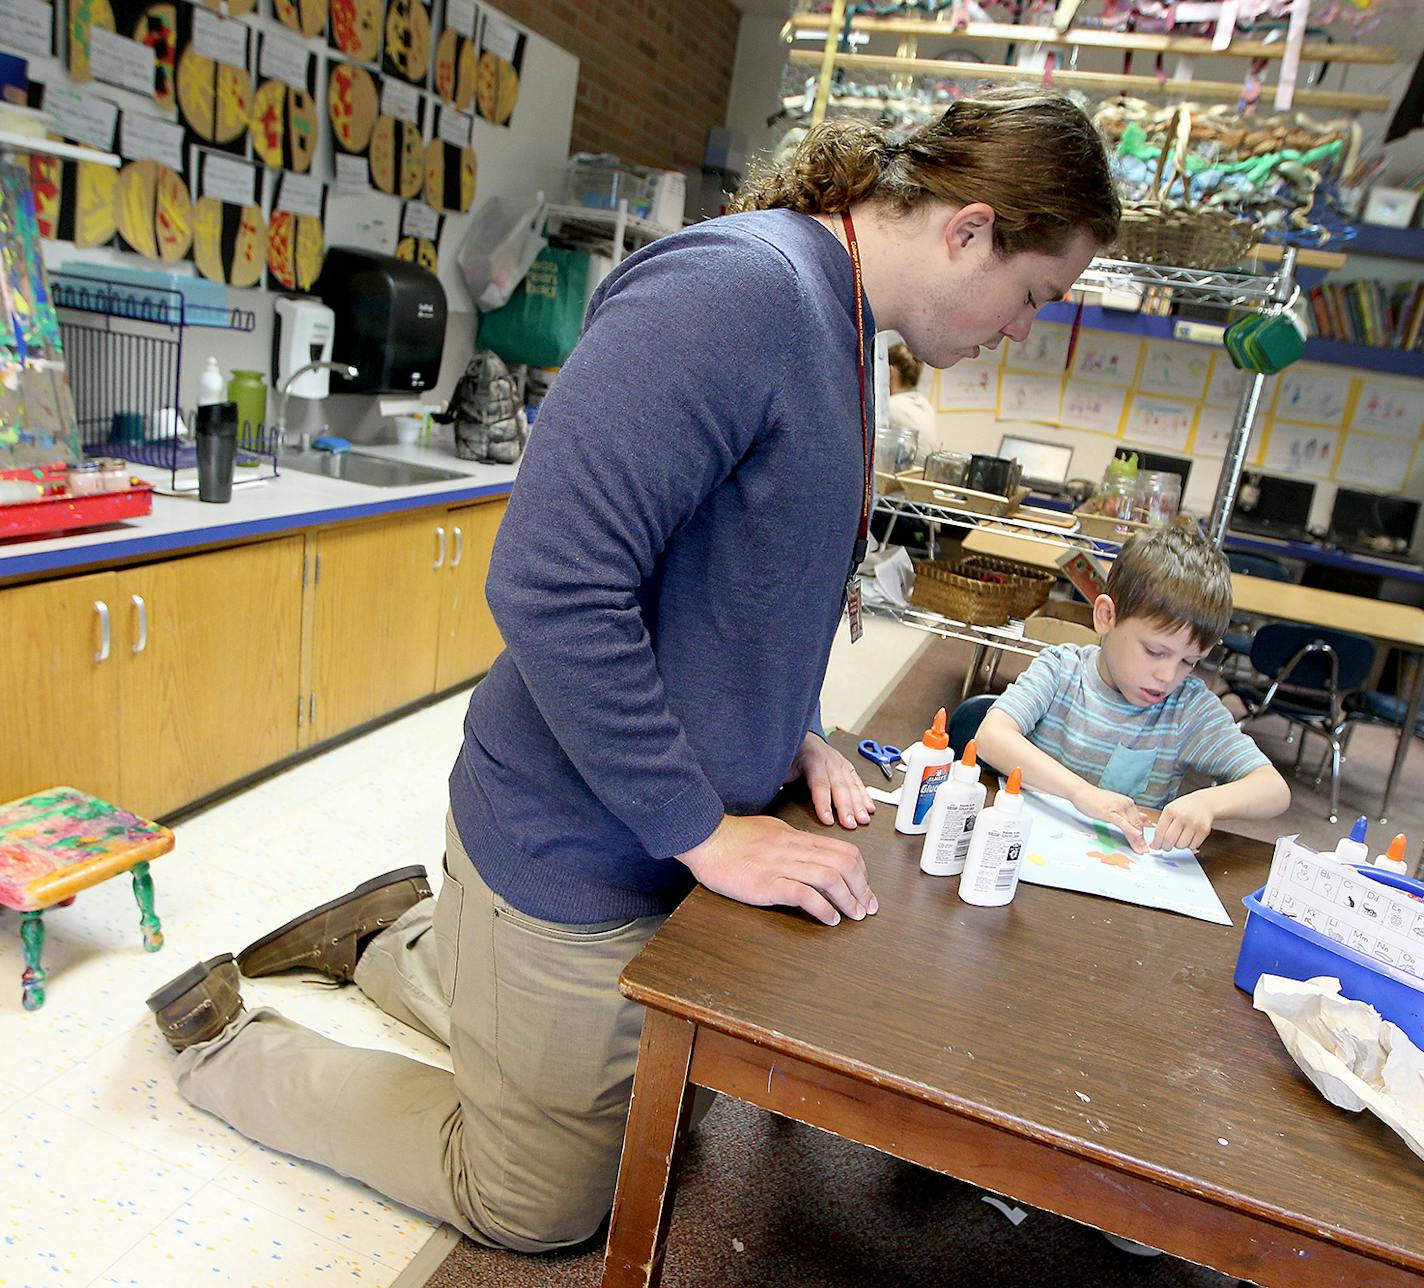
x: 964, y: 725
x: 1307, y: 675
x: 1242, y: 630
x: 1370, y: 706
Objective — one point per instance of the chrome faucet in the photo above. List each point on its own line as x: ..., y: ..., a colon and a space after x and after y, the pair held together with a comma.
x: 283, y: 393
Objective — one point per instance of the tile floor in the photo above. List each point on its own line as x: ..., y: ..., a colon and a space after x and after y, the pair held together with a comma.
x: 109, y: 1176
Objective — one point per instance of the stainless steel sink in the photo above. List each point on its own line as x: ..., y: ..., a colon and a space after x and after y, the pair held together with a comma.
x: 361, y: 467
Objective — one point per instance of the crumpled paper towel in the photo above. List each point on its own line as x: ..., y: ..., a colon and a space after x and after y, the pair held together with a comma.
x: 1356, y: 1059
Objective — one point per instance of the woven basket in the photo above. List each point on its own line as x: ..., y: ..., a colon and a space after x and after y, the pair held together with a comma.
x: 940, y: 588
x: 1030, y: 586
x: 1177, y: 233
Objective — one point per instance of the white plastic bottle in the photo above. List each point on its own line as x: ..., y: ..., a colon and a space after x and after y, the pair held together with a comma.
x: 1392, y: 860
x: 957, y: 805
x: 1352, y: 848
x: 212, y: 388
x: 991, y: 870
x: 927, y: 766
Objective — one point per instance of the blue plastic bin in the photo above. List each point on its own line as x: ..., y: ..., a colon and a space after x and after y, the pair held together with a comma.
x: 1276, y: 945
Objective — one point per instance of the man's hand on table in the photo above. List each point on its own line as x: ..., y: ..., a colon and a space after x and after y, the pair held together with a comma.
x: 837, y: 793
x: 762, y: 861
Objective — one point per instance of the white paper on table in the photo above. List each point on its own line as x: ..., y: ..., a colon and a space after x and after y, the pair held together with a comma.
x: 1355, y: 1059
x: 885, y: 798
x: 1070, y: 851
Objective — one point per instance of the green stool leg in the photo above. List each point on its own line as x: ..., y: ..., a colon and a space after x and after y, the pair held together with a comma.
x: 33, y: 980
x: 148, y: 919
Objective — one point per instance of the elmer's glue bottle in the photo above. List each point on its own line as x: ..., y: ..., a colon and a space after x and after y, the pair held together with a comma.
x: 1392, y: 860
x: 957, y: 805
x: 1352, y: 849
x: 926, y: 767
x: 991, y: 869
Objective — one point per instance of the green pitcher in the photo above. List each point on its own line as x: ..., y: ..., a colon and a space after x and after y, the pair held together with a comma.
x: 248, y: 389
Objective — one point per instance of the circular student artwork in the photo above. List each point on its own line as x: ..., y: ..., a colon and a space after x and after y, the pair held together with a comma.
x: 449, y: 176
x: 84, y: 16
x: 497, y: 88
x: 283, y: 126
x: 408, y: 39
x: 356, y: 28
x: 154, y: 211
x: 381, y: 155
x: 417, y: 250
x: 466, y: 71
x: 234, y: 261
x: 214, y: 98
x: 95, y: 206
x: 351, y: 103
x: 446, y: 50
x: 157, y: 28
x: 46, y: 179
x: 307, y: 17
x: 296, y: 246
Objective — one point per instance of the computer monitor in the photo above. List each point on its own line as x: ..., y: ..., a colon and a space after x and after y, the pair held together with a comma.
x: 1365, y: 516
x: 1266, y: 501
x: 1177, y: 465
x: 1042, y: 464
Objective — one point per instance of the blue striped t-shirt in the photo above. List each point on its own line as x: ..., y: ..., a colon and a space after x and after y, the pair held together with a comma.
x: 1063, y: 706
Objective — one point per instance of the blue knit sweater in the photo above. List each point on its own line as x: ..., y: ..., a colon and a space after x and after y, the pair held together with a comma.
x: 668, y: 577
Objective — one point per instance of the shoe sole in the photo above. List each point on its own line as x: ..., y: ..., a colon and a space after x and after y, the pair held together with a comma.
x: 414, y: 873
x: 193, y: 975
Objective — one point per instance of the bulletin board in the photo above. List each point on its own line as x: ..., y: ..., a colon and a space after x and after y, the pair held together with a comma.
x: 1323, y: 423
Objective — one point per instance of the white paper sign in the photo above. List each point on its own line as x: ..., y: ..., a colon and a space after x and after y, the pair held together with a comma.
x: 351, y: 173
x: 1025, y: 397
x: 1300, y: 449
x: 460, y: 14
x: 454, y: 127
x: 142, y: 138
x: 419, y: 220
x: 85, y: 118
x: 401, y: 101
x: 972, y: 385
x: 283, y: 60
x: 1046, y: 349
x: 1106, y: 358
x: 28, y: 26
x: 1312, y: 398
x: 1387, y: 407
x: 1095, y: 407
x: 499, y: 37
x: 1174, y: 370
x: 1161, y: 422
x: 120, y: 61
x: 1227, y: 384
x: 300, y: 194
x: 224, y: 40
x: 1213, y: 436
x: 1375, y: 461
x: 228, y: 179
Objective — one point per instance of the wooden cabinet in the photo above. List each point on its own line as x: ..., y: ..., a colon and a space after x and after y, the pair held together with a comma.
x: 376, y: 591
x: 156, y: 685
x: 469, y: 639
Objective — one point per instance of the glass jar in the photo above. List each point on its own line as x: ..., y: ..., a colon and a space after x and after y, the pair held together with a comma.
x: 896, y: 450
x: 946, y: 467
x: 1116, y: 497
x: 83, y: 479
x: 113, y: 474
x: 248, y: 389
x: 1158, y: 497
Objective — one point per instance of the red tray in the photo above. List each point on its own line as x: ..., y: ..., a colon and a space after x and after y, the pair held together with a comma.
x: 65, y: 513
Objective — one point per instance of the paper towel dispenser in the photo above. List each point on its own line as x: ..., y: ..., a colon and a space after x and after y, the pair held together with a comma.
x: 390, y: 321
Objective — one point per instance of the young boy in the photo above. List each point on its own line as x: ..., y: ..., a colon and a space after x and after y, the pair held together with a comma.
x: 1116, y: 725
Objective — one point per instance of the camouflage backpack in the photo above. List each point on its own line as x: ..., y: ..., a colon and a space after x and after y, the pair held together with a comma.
x: 484, y: 409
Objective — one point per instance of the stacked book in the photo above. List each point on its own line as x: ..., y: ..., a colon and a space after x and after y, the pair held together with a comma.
x: 1389, y: 315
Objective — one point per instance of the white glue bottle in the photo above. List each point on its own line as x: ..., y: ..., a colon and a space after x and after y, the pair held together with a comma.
x: 1392, y: 860
x: 212, y: 388
x: 1352, y: 848
x: 957, y: 805
x: 991, y: 869
x: 927, y: 766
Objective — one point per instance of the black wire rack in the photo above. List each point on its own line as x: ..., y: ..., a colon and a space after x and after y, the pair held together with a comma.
x: 123, y: 350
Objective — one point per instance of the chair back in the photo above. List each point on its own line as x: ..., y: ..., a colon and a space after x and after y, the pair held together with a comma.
x: 1266, y: 567
x: 1311, y: 658
x: 964, y: 723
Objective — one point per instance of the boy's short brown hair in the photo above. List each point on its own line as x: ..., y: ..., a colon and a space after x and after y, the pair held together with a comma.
x: 1175, y: 577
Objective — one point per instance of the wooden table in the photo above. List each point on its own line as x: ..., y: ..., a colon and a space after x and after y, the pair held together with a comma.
x: 1084, y: 1056
x: 1397, y: 625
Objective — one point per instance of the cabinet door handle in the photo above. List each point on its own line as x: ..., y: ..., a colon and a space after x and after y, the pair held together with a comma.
x: 102, y: 609
x: 459, y: 547
x: 142, y: 609
x: 440, y: 556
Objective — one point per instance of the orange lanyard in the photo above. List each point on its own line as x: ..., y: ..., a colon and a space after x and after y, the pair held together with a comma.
x: 867, y: 436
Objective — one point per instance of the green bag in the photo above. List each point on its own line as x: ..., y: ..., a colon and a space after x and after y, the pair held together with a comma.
x: 541, y: 323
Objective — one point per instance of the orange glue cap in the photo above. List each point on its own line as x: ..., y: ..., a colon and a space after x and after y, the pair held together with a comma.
x: 935, y: 736
x: 971, y: 752
x: 1014, y: 783
x: 1397, y: 847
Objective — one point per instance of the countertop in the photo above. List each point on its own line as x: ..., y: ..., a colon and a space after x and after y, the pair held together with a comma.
x: 288, y: 503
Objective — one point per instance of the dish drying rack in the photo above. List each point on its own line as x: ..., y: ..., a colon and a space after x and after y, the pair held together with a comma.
x: 123, y: 349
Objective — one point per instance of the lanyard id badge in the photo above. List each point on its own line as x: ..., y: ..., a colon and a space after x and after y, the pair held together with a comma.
x: 867, y: 440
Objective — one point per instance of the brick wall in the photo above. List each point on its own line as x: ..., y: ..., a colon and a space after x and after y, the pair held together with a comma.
x: 654, y: 75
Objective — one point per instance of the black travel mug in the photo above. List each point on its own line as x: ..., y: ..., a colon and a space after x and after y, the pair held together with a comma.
x: 215, y: 429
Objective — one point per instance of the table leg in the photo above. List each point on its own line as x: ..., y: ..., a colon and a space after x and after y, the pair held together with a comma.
x: 32, y: 982
x: 1406, y: 732
x: 147, y: 918
x: 652, y: 1151
x: 972, y: 674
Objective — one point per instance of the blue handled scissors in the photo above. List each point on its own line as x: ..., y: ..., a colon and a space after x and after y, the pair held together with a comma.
x: 883, y: 756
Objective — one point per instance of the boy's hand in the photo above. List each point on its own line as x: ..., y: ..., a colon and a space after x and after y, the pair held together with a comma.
x: 1115, y: 808
x: 1185, y: 823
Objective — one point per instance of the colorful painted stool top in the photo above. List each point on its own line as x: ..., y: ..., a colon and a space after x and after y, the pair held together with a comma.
x: 60, y: 841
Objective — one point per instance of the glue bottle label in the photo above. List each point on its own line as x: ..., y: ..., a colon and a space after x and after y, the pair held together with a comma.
x: 930, y: 782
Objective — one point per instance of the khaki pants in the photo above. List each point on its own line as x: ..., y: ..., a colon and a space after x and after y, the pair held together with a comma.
x: 519, y: 1147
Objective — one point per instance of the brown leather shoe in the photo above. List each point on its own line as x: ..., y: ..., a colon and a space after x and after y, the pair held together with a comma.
x: 198, y: 1004
x: 330, y: 939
